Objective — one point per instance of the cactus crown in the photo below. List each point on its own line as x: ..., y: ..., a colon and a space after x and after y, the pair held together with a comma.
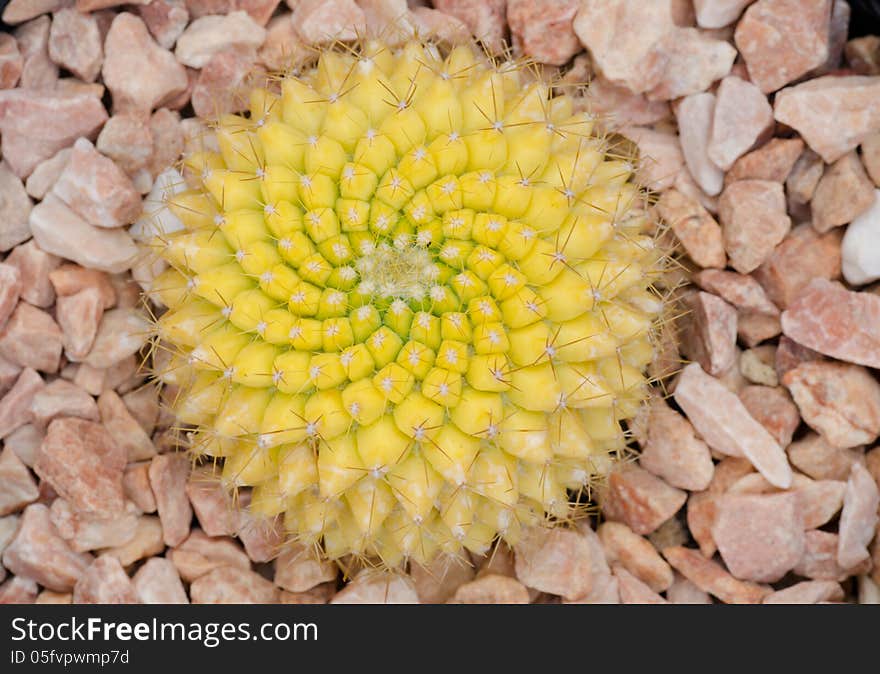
x: 411, y: 302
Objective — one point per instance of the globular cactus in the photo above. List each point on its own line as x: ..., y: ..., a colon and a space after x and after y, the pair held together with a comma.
x: 412, y: 302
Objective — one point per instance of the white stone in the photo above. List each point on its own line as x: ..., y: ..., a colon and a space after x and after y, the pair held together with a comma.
x: 860, y: 250
x: 695, y: 114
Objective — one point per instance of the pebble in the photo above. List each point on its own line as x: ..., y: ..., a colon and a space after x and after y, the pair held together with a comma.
x: 640, y: 500
x: 15, y: 207
x: 848, y: 101
x: 124, y: 428
x: 554, y: 560
x: 820, y: 500
x: 604, y: 587
x: 8, y: 528
x: 718, y: 13
x: 18, y: 11
x: 147, y: 541
x: 25, y: 441
x: 38, y: 553
x: 60, y: 398
x: 691, y: 61
x: 836, y: 322
x: 543, y: 30
x: 438, y: 581
x: 740, y: 290
x: 15, y: 406
x: 819, y: 561
x: 485, y: 19
x: 803, y: 178
x: 623, y: 546
x: 672, y: 451
x: 754, y: 221
x: 491, y: 589
x: 44, y: 176
x: 261, y: 536
x: 700, y: 235
x: 38, y: 71
x: 143, y: 404
x: 209, y: 35
x: 859, y: 518
x: 17, y: 485
x: 165, y: 19
x: 756, y: 365
x: 781, y: 40
x: 136, y: 486
x: 282, y: 50
x: 78, y: 316
x: 710, y: 336
x: 69, y: 279
x: 104, y: 582
x: 11, y: 62
x: 79, y: 459
x: 377, y: 587
x: 695, y: 115
x: 841, y: 401
x: 34, y: 266
x: 772, y: 161
x: 211, y: 503
x: 222, y: 82
x: 130, y: 51
x: 711, y: 577
x: 36, y: 124
x: 298, y: 569
x: 127, y: 140
x: 75, y: 43
x: 774, y: 409
x: 318, y: 595
x: 842, y: 194
x: 168, y: 476
x: 760, y: 536
x: 122, y: 332
x: 200, y: 554
x: 860, y: 261
x: 870, y: 148
x: 18, y: 590
x: 615, y: 105
x: 85, y: 532
x: 683, y: 591
x: 438, y: 25
x: 814, y: 456
x: 804, y: 255
x: 157, y: 582
x: 660, y: 158
x: 742, y: 118
x: 807, y: 592
x: 389, y: 19
x: 632, y: 590
x: 32, y: 339
x: 10, y: 290
x: 60, y: 231
x: 726, y: 425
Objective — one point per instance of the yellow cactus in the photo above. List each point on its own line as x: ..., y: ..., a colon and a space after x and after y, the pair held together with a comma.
x: 412, y: 301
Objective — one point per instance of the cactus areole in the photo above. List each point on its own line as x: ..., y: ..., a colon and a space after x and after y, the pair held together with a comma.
x: 411, y: 304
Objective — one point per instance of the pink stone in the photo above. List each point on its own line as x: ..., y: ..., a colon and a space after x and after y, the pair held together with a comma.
x: 18, y: 590
x: 199, y: 554
x: 130, y: 51
x: 438, y: 581
x: 388, y: 20
x: 17, y: 485
x: 228, y: 585
x: 38, y: 553
x: 259, y: 10
x: 712, y: 578
x: 377, y: 587
x: 11, y: 62
x: 15, y: 406
x: 848, y: 101
x: 740, y: 290
x: 554, y: 560
x: 34, y: 266
x: 718, y: 13
x: 209, y: 35
x: 69, y: 279
x: 36, y: 124
x: 92, y: 5
x: 32, y: 339
x: 491, y: 589
x: 10, y: 290
x: 695, y: 114
x: 104, y: 582
x: 695, y: 228
x: 621, y: 36
x: 819, y: 561
x: 683, y: 591
x: 813, y: 456
x: 742, y: 117
x: 25, y: 441
x: 78, y: 316
x: 439, y: 25
x: 299, y: 568
x: 632, y: 590
x: 81, y: 462
x: 75, y: 43
x: 168, y: 475
x: 282, y: 50
x: 484, y: 18
x: 167, y: 140
x: 318, y: 595
x: 45, y: 175
x: 837, y: 322
x: 726, y: 426
x: 660, y: 158
x: 147, y: 541
x: 820, y: 500
x: 22, y: 10
x: 121, y: 333
x: 211, y: 503
x: 143, y: 405
x: 859, y: 518
x: 774, y: 409
x: 165, y: 20
x: 710, y: 336
x: 692, y: 60
x: 262, y: 537
x: 543, y: 29
x: 773, y: 161
x: 62, y: 399
x: 640, y: 500
x: 60, y: 231
x: 636, y: 555
x: 604, y: 588
x: 781, y: 40
x: 843, y: 193
x: 672, y: 452
x: 863, y: 55
x: 136, y: 486
x: 760, y: 536
x: 123, y: 428
x: 127, y: 140
x: 157, y: 582
x: 15, y: 207
x: 616, y: 105
x: 804, y: 177
x: 807, y: 592
x: 870, y: 147
x: 85, y: 531
x: 38, y: 71
x: 223, y: 83
x: 839, y: 400
x: 753, y: 217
